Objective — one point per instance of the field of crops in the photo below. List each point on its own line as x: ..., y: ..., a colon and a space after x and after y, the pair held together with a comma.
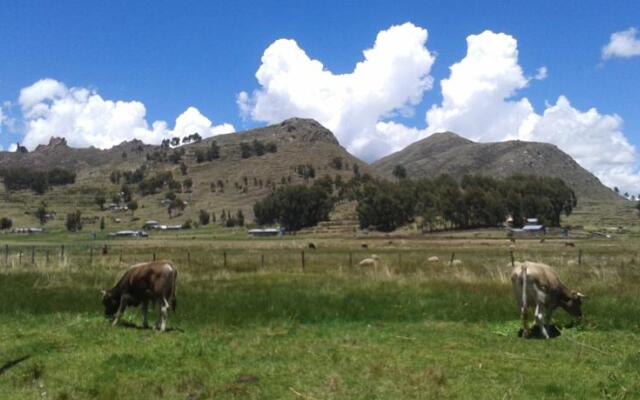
x: 263, y: 319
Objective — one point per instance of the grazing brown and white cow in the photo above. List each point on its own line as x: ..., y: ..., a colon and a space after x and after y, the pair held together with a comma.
x: 538, y: 285
x: 141, y: 284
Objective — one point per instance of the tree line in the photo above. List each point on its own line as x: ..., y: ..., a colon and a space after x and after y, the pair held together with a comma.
x: 439, y: 203
x: 22, y: 178
x: 474, y: 202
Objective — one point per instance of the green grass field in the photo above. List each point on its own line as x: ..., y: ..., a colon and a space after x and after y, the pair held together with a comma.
x: 271, y: 330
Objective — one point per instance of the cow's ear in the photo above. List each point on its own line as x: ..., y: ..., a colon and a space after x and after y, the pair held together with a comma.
x: 103, y: 292
x: 580, y: 295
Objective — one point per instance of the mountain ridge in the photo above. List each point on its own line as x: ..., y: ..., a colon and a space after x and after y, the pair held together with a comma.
x: 449, y: 153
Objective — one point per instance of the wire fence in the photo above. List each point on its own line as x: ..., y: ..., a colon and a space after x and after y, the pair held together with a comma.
x: 294, y: 260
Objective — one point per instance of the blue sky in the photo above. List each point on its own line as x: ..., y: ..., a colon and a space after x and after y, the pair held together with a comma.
x: 171, y: 55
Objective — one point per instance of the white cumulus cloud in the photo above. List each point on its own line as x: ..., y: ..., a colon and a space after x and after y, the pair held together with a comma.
x: 477, y: 97
x: 84, y: 118
x: 623, y: 44
x: 479, y: 102
x: 390, y: 80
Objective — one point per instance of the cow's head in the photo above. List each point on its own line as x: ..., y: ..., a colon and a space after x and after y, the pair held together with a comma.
x: 574, y: 304
x: 110, y: 302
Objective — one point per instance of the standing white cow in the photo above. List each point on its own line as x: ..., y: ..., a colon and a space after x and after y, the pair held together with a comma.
x: 538, y: 285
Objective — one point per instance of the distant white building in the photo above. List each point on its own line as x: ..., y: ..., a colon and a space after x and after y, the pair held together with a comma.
x: 265, y: 232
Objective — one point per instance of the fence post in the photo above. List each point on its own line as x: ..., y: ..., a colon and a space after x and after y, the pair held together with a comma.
x: 350, y: 260
x: 302, y: 258
x: 121, y: 256
x: 453, y: 256
x: 33, y: 254
x: 188, y: 258
x: 47, y: 257
x: 261, y: 261
x: 224, y: 256
x: 6, y: 254
x: 62, y: 252
x: 91, y: 255
x: 20, y: 258
x: 579, y: 257
x: 513, y: 261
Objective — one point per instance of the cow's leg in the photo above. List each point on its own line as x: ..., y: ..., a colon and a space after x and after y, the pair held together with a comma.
x: 145, y: 314
x: 162, y: 315
x: 540, y: 321
x: 121, y: 308
x: 524, y: 316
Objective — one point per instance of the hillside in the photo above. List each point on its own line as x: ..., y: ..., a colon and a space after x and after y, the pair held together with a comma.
x: 448, y: 153
x: 229, y: 182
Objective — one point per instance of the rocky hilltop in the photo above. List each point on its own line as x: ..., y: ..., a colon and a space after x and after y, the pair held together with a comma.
x: 448, y: 153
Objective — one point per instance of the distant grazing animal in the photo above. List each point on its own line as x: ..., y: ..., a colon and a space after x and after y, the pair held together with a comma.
x: 364, y: 246
x: 312, y: 246
x: 141, y: 284
x: 373, y: 263
x: 433, y: 259
x: 370, y: 262
x: 455, y: 263
x: 512, y: 239
x: 569, y: 244
x: 537, y: 285
x: 542, y: 240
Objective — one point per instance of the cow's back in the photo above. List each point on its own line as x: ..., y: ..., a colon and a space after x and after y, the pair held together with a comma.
x: 151, y: 280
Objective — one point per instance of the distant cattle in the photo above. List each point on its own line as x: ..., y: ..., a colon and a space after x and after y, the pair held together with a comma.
x: 141, y: 284
x: 433, y: 259
x: 455, y: 263
x: 370, y: 262
x: 312, y: 246
x: 569, y: 244
x: 373, y: 263
x: 537, y: 285
x: 364, y: 246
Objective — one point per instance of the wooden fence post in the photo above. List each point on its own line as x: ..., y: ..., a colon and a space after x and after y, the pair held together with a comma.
x: 154, y: 256
x: 579, y: 257
x: 302, y: 259
x: 513, y: 261
x: 453, y: 256
x: 91, y: 255
x: 62, y: 252
x: 188, y: 258
x: 33, y: 254
x: 121, y: 256
x: 6, y: 254
x: 224, y: 257
x: 350, y: 259
x: 261, y: 261
x: 20, y: 258
x: 47, y: 257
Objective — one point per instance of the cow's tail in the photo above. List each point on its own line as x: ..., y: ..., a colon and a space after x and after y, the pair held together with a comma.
x: 524, y: 288
x: 174, y: 301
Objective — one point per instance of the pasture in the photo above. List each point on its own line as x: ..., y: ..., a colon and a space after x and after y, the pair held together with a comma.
x: 256, y: 322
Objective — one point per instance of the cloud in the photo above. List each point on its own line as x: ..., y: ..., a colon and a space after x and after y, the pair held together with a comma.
x: 541, y: 74
x: 84, y: 118
x: 13, y: 147
x: 479, y: 102
x: 595, y: 140
x: 623, y: 44
x: 477, y: 98
x: 390, y: 80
